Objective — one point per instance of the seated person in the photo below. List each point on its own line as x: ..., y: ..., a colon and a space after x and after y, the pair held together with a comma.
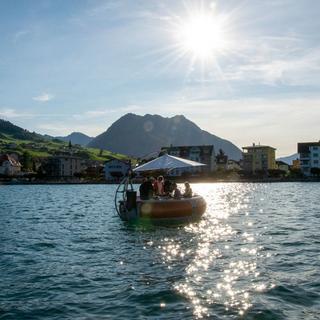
x: 146, y: 189
x: 167, y: 187
x: 159, y: 186
x: 176, y: 192
x: 187, y: 190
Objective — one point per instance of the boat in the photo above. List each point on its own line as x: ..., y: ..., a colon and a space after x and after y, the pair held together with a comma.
x: 132, y: 208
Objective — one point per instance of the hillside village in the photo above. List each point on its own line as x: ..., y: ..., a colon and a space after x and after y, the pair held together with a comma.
x: 29, y: 157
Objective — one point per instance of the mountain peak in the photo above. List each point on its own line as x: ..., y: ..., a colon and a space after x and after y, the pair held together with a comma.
x: 137, y: 135
x: 76, y: 138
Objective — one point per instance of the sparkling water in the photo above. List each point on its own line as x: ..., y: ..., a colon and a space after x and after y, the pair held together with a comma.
x: 65, y: 254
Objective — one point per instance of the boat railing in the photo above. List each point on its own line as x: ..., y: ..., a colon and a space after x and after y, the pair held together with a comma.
x: 121, y: 192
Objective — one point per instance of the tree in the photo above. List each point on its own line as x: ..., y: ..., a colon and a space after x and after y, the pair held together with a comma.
x: 70, y: 144
x: 27, y: 161
x: 315, y: 171
x: 276, y: 173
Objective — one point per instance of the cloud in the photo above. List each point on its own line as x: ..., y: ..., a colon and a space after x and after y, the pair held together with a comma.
x: 19, y: 35
x: 44, y: 97
x: 292, y: 70
x: 8, y: 113
x: 105, y: 7
x: 92, y: 114
x: 57, y: 128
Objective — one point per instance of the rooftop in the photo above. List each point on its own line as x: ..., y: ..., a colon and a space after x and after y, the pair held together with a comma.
x: 254, y: 146
x: 303, y: 147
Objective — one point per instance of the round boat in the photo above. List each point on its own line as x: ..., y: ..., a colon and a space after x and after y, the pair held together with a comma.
x: 159, y: 209
x: 162, y: 209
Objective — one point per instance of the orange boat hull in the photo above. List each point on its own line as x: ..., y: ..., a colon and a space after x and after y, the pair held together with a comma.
x: 172, y: 209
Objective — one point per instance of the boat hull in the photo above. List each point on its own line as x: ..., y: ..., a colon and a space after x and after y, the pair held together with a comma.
x: 165, y: 210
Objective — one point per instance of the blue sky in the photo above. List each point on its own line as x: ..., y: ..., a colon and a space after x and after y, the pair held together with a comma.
x: 78, y: 65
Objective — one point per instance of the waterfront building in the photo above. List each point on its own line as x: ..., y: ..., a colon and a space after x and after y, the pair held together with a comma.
x: 116, y: 169
x: 309, y: 156
x: 204, y: 154
x: 258, y: 158
x: 221, y: 161
x: 295, y: 164
x: 9, y: 165
x: 233, y: 165
x: 283, y: 166
x: 63, y: 166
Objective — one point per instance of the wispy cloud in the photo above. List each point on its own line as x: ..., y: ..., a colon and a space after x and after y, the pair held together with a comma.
x: 105, y: 7
x: 57, y: 128
x: 8, y: 113
x: 44, y: 97
x: 301, y: 68
x: 91, y: 114
x: 19, y: 35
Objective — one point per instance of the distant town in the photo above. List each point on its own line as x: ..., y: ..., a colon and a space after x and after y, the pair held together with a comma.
x: 71, y: 165
x: 28, y: 157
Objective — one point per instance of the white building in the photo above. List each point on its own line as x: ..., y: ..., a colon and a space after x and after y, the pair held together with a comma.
x: 204, y: 154
x: 233, y: 165
x: 9, y: 166
x: 63, y: 166
x: 115, y: 169
x: 283, y: 166
x: 309, y: 156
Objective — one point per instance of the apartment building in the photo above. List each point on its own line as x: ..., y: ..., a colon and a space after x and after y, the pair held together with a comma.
x: 258, y: 158
x: 309, y: 156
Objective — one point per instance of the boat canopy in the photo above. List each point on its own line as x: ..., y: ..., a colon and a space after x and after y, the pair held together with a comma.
x: 167, y: 162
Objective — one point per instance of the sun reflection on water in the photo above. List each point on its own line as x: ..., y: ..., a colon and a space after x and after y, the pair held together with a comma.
x: 221, y: 258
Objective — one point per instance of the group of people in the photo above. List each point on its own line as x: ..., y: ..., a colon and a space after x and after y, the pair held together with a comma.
x: 159, y: 187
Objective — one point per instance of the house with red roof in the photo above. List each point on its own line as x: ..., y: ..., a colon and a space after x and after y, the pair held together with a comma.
x: 9, y: 166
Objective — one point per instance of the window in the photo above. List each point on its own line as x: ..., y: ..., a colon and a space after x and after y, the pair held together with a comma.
x: 315, y: 155
x: 316, y: 161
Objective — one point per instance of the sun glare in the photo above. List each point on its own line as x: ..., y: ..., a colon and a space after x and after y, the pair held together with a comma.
x: 202, y: 36
x: 203, y: 33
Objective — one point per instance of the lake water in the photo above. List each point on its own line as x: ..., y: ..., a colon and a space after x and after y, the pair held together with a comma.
x: 65, y: 254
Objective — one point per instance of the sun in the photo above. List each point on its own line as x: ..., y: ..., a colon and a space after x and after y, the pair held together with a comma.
x: 203, y: 35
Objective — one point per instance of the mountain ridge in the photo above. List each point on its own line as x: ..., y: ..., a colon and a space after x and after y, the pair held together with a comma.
x: 76, y: 138
x: 137, y: 135
x: 289, y: 159
x: 8, y: 128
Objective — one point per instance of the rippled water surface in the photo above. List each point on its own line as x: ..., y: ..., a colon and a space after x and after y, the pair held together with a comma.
x: 65, y: 254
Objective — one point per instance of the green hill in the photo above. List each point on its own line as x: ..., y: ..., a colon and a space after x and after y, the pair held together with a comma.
x: 13, y: 131
x: 14, y: 139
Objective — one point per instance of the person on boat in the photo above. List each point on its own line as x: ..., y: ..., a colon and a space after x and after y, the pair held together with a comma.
x: 146, y: 189
x: 167, y: 187
x: 176, y: 192
x: 187, y: 191
x: 159, y: 186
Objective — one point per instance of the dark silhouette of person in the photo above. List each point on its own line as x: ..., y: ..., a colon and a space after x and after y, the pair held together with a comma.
x: 188, y: 191
x: 146, y: 189
x: 167, y: 187
x: 176, y: 192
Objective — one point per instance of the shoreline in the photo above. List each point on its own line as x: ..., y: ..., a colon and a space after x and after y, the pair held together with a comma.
x: 55, y: 182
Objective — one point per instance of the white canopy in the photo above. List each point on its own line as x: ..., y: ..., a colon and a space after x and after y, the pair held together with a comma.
x: 167, y: 162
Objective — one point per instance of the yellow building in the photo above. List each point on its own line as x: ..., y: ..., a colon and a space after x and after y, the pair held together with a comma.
x: 258, y: 158
x: 296, y: 164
